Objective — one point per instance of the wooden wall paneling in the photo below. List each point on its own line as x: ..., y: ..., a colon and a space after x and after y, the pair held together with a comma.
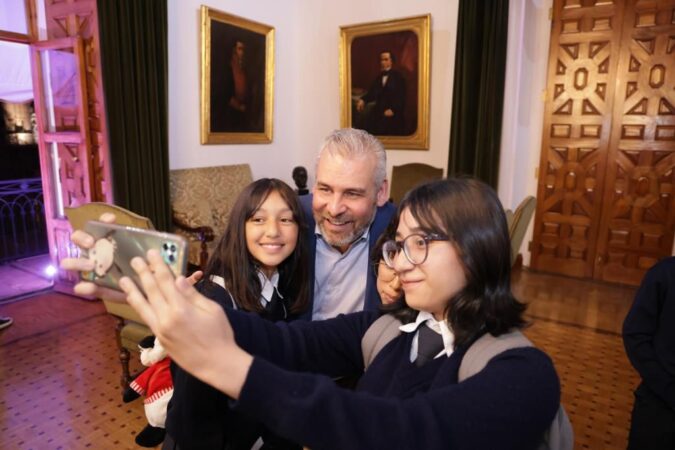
x: 638, y: 216
x: 582, y: 69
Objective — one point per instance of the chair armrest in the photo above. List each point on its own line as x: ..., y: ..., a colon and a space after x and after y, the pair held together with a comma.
x: 203, y: 234
x: 122, y: 310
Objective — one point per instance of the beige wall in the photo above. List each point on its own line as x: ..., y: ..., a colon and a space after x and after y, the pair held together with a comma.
x: 527, y: 59
x: 306, y: 80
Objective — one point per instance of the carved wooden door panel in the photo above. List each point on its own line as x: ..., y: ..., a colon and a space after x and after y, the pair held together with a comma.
x: 80, y: 18
x: 73, y: 143
x: 582, y: 70
x: 60, y: 99
x: 605, y: 202
x: 638, y: 215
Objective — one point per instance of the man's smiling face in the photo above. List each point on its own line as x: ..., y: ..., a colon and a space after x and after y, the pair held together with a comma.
x: 345, y: 197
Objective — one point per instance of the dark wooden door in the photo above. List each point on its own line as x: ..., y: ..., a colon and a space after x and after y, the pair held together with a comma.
x: 580, y: 97
x: 638, y: 213
x: 604, y: 207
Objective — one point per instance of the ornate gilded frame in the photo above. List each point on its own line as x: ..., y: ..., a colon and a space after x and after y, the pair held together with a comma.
x: 420, y: 26
x: 209, y: 17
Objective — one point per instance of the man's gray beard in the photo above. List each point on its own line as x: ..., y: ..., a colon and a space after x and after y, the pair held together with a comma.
x: 344, y: 242
x: 349, y: 239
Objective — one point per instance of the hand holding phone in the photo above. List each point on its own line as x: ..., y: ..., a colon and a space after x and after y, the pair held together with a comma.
x: 115, y: 246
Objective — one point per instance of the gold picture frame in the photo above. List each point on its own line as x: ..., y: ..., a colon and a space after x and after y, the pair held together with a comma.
x: 384, y: 80
x: 237, y: 79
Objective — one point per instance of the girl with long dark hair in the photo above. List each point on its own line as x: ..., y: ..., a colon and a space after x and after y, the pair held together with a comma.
x: 260, y: 266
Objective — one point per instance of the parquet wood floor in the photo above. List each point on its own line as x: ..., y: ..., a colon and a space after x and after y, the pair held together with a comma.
x: 59, y: 370
x: 578, y: 323
x: 59, y: 389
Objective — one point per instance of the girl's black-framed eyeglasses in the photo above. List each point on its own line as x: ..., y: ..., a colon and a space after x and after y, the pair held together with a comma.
x: 415, y: 248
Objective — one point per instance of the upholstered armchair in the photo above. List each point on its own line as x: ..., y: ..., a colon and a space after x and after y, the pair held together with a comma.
x: 201, y: 200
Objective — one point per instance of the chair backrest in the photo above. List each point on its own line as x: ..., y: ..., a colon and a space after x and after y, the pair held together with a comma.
x: 509, y: 219
x: 407, y: 176
x: 204, y: 196
x: 79, y: 215
x: 519, y: 223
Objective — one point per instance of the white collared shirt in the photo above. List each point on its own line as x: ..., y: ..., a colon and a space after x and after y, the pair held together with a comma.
x: 266, y: 292
x: 427, y: 319
x: 269, y: 285
x: 340, y: 279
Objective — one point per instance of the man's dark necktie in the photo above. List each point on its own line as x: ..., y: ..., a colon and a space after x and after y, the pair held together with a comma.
x: 429, y: 344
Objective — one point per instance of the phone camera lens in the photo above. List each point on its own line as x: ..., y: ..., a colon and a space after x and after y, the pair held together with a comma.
x: 173, y: 247
x: 165, y: 246
x: 172, y: 258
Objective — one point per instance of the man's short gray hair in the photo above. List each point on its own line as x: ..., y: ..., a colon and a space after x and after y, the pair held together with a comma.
x: 352, y: 143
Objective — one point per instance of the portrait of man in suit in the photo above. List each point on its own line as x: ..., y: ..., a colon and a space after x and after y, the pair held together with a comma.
x: 384, y: 83
x: 387, y: 93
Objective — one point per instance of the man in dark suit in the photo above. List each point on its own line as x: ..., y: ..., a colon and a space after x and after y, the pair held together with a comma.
x: 388, y: 94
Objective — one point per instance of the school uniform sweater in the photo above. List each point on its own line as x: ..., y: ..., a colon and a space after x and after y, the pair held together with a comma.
x: 508, y: 405
x: 200, y: 417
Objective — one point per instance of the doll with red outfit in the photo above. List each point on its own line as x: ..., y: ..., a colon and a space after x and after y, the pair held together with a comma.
x: 155, y: 384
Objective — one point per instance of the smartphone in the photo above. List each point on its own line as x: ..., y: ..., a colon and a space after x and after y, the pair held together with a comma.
x: 115, y: 246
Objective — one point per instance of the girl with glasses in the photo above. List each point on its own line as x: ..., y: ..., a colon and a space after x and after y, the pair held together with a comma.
x: 451, y: 252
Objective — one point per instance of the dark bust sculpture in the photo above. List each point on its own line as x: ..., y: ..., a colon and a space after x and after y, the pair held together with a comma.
x: 300, y: 179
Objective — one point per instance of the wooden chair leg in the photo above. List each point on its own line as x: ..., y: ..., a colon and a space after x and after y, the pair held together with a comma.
x: 124, y: 360
x: 125, y: 379
x: 203, y: 255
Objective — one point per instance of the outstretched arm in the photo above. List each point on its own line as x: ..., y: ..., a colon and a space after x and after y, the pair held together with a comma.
x: 331, y: 347
x: 194, y: 330
x: 311, y: 409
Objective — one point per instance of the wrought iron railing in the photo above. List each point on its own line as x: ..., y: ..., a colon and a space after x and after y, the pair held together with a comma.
x: 23, y: 231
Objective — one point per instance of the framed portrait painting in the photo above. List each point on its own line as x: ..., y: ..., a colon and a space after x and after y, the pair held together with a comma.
x: 237, y: 79
x: 384, y: 80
